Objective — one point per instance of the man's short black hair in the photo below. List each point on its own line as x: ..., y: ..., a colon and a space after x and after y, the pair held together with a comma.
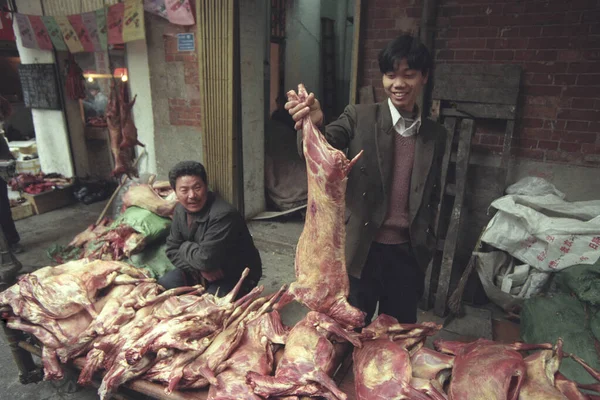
x: 187, y: 168
x: 405, y: 46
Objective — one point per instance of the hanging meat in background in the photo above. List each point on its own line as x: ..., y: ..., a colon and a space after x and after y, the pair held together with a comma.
x: 321, y: 278
x: 122, y: 130
x: 75, y: 83
x: 128, y: 130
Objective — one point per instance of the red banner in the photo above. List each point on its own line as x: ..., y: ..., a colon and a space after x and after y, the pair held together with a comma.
x: 82, y: 32
x: 114, y: 21
x: 41, y: 33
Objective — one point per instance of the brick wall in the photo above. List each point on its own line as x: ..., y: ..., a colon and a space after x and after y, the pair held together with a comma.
x: 556, y: 42
x: 184, y: 110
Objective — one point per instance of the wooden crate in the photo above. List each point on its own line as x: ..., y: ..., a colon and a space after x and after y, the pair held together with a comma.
x: 22, y: 211
x: 51, y: 200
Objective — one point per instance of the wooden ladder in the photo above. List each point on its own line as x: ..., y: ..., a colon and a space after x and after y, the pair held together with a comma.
x: 463, y: 94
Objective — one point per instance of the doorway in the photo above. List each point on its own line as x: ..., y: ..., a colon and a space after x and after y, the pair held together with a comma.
x: 311, y: 42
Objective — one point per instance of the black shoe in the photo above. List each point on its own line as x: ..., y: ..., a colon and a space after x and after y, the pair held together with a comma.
x: 16, y: 248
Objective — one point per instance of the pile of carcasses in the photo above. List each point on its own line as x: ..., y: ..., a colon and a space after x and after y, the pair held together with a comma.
x: 114, y: 241
x: 128, y: 327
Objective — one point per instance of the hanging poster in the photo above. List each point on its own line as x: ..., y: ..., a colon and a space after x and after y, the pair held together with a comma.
x: 89, y: 22
x: 114, y: 22
x: 133, y: 21
x: 41, y: 33
x: 26, y: 32
x: 76, y: 22
x: 178, y: 12
x: 69, y: 34
x: 101, y: 26
x: 55, y: 34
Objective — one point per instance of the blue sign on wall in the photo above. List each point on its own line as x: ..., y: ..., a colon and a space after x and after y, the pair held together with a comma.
x: 186, y: 42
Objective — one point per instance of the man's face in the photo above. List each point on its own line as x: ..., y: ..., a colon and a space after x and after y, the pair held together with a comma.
x: 403, y: 85
x: 191, y: 191
x: 93, y: 92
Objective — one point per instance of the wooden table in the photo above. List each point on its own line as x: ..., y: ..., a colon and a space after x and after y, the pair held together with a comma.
x: 343, y: 377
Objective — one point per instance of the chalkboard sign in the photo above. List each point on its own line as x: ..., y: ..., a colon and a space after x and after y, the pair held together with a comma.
x: 40, y: 89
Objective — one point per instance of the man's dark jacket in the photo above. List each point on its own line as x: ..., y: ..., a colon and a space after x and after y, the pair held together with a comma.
x: 218, y: 237
x: 369, y: 127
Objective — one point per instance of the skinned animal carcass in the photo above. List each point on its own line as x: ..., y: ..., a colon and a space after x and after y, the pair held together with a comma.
x: 383, y: 367
x: 322, y: 282
x: 308, y: 361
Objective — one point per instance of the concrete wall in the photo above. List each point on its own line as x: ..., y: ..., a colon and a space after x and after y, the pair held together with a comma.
x: 253, y: 61
x: 143, y: 114
x: 50, y: 125
x: 174, y: 87
x: 303, y: 38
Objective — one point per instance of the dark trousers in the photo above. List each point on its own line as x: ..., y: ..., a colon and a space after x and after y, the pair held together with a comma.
x: 393, y: 278
x: 6, y: 221
x: 178, y: 278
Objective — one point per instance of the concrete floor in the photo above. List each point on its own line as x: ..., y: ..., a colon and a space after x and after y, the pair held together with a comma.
x: 275, y: 239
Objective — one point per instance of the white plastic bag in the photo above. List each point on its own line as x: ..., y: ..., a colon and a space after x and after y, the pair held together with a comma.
x: 546, y: 232
x: 534, y: 186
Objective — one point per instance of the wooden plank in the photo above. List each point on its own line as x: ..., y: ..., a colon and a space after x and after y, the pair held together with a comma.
x: 464, y: 149
x: 503, y: 171
x: 450, y: 125
x: 478, y: 110
x: 477, y: 83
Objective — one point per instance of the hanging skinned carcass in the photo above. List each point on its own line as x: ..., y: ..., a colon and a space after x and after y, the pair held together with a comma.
x: 308, y: 361
x: 383, y: 367
x: 122, y: 130
x: 322, y: 282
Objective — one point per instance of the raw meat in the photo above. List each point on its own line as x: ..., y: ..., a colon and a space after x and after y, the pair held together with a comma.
x: 75, y: 83
x: 321, y: 279
x: 254, y: 353
x: 307, y: 362
x: 128, y: 129
x: 484, y: 369
x: 541, y: 368
x: 92, y: 232
x: 145, y: 196
x: 382, y: 367
x: 122, y: 130
x: 113, y: 121
x: 212, y: 361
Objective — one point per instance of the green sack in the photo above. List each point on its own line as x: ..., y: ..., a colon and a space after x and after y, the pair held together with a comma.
x: 153, y: 259
x: 583, y: 280
x: 546, y: 318
x: 150, y: 225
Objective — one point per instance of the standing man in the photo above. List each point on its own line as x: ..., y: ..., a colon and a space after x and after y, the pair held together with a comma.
x: 97, y: 105
x: 393, y: 189
x: 209, y: 241
x: 7, y: 224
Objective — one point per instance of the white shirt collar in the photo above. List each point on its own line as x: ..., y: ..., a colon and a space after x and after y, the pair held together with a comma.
x: 399, y: 122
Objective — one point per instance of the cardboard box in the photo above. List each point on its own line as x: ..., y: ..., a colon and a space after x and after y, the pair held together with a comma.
x: 29, y: 167
x: 51, y: 200
x: 22, y: 211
